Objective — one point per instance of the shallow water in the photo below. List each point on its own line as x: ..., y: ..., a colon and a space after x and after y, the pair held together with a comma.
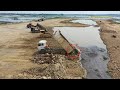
x: 89, y: 22
x: 117, y: 21
x: 95, y: 60
x: 93, y: 51
x: 83, y: 36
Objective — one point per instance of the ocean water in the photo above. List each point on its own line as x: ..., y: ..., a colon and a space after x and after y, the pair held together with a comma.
x: 13, y: 18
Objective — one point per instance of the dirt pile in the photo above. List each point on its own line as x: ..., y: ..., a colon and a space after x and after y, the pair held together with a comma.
x: 45, y: 58
x: 56, y: 67
x: 53, y: 70
x: 46, y: 35
x: 48, y: 71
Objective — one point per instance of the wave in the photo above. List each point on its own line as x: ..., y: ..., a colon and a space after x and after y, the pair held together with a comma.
x: 29, y: 17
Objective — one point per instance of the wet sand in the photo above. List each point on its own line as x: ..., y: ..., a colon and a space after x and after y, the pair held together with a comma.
x: 110, y: 34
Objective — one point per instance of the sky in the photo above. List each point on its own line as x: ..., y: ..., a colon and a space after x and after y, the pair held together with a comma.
x: 63, y: 12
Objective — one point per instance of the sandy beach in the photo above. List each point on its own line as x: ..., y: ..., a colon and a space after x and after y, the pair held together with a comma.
x: 18, y: 44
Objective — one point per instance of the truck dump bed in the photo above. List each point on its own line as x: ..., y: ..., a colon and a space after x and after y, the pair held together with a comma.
x: 63, y: 41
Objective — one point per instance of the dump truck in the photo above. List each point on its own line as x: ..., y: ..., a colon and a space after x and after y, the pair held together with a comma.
x: 37, y: 29
x: 70, y: 50
x: 73, y: 51
x: 43, y: 47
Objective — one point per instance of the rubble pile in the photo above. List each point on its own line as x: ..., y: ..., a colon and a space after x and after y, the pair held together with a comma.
x: 55, y: 66
x: 45, y: 58
x: 54, y: 70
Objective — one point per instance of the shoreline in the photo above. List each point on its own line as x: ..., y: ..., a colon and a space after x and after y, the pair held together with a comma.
x: 108, y: 30
x: 101, y: 36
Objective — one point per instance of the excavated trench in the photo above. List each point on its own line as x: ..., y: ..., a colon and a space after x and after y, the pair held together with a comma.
x: 94, y: 56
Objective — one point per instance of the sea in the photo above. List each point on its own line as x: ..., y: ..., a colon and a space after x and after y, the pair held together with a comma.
x: 16, y: 18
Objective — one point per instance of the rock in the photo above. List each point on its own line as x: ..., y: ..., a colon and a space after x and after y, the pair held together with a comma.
x: 47, y: 53
x: 44, y: 77
x: 83, y: 78
x: 101, y: 49
x: 49, y: 77
x: 20, y: 74
x: 115, y: 47
x: 114, y: 36
x: 105, y: 57
x: 96, y: 70
x: 98, y: 75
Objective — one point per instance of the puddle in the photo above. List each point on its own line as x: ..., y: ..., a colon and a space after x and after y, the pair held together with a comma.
x: 117, y: 21
x: 93, y: 51
x: 89, y: 22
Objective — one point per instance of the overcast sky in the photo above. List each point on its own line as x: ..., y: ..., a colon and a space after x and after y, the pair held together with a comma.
x: 64, y: 12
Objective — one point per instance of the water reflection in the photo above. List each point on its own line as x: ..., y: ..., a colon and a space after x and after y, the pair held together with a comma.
x: 83, y: 36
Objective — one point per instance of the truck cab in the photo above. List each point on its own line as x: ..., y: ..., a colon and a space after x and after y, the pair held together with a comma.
x: 42, y: 45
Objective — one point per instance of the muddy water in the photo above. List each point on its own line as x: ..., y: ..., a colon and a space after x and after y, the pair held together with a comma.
x: 93, y: 51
